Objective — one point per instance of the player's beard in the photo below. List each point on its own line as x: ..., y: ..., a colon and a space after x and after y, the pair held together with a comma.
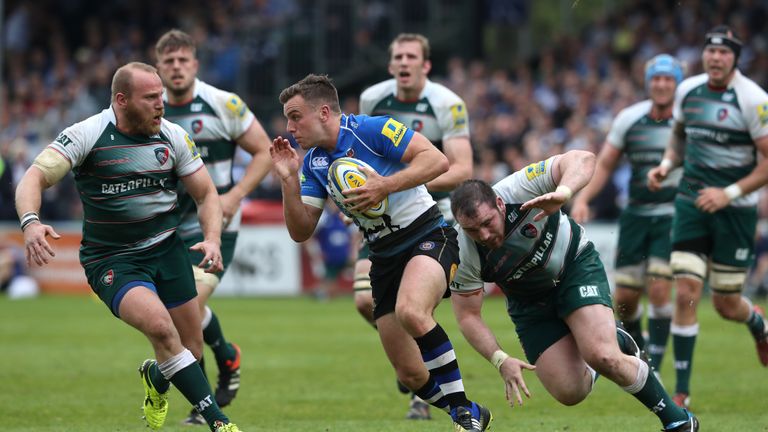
x: 142, y: 123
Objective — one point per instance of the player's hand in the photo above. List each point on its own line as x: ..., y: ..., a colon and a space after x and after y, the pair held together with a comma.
x: 549, y: 203
x: 656, y: 176
x: 230, y: 204
x: 712, y: 199
x: 512, y: 373
x: 375, y: 189
x: 212, y: 261
x: 36, y: 247
x: 580, y: 211
x: 284, y: 158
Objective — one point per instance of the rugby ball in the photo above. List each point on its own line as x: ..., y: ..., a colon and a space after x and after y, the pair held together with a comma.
x: 344, y: 173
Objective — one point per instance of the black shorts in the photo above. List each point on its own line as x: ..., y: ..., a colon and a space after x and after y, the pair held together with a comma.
x: 386, y: 272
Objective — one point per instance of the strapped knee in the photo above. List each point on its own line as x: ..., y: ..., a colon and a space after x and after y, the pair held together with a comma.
x: 207, y: 279
x: 726, y: 279
x: 659, y: 268
x: 362, y: 282
x: 631, y: 276
x: 688, y: 264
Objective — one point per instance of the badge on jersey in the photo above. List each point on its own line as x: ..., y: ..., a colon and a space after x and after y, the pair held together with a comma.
x: 459, y: 115
x: 762, y: 113
x: 535, y: 169
x: 161, y: 154
x: 236, y: 105
x: 394, y: 130
x: 191, y: 146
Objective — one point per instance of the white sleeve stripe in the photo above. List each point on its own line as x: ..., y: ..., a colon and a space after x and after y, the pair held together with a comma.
x: 313, y: 201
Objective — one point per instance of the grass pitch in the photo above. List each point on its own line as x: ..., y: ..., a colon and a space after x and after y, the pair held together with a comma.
x: 68, y: 365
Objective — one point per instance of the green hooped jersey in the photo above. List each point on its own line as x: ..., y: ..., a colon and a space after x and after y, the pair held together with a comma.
x: 643, y: 140
x: 214, y: 119
x: 438, y: 114
x: 127, y: 183
x: 534, y: 255
x: 721, y: 126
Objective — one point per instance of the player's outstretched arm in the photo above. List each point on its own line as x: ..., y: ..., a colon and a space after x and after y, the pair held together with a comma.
x: 673, y: 157
x: 256, y: 142
x: 712, y: 199
x: 458, y: 150
x: 300, y: 219
x: 606, y: 163
x: 28, y: 199
x: 203, y: 191
x: 467, y: 308
x: 571, y: 171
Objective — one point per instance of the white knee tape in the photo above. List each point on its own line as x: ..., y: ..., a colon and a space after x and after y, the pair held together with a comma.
x: 659, y: 268
x: 631, y: 276
x: 207, y: 279
x: 640, y: 379
x: 684, y: 330
x: 688, y: 264
x: 207, y: 316
x: 727, y: 278
x: 660, y: 312
x: 170, y: 367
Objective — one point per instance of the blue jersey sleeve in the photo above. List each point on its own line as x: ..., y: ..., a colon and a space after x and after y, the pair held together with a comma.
x: 388, y: 136
x: 313, y: 180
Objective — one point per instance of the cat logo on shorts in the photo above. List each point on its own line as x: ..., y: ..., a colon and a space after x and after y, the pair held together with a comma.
x: 108, y: 277
x: 427, y: 245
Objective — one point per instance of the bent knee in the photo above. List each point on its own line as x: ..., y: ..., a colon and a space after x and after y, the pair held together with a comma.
x: 570, y: 397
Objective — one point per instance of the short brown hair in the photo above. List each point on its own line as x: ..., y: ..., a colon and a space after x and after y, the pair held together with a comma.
x: 314, y: 89
x: 469, y: 195
x: 174, y: 40
x: 122, y: 80
x: 411, y: 37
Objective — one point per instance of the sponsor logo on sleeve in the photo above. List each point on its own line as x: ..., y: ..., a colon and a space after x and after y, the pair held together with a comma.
x: 237, y: 106
x: 535, y: 169
x: 762, y: 113
x: 191, y: 146
x: 459, y: 115
x: 394, y: 130
x: 63, y: 140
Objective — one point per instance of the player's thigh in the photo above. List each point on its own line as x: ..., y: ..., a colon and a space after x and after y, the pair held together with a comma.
x: 174, y: 276
x: 563, y: 372
x: 733, y: 252
x: 433, y: 262
x: 690, y: 224
x: 632, y: 247
x: 112, y: 278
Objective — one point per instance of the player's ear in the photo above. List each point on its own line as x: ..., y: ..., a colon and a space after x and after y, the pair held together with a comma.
x: 427, y: 66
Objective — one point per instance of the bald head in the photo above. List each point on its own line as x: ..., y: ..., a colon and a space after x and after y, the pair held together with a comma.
x: 122, y: 81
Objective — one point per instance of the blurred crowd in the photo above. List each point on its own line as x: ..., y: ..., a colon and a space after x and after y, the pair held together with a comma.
x: 59, y: 58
